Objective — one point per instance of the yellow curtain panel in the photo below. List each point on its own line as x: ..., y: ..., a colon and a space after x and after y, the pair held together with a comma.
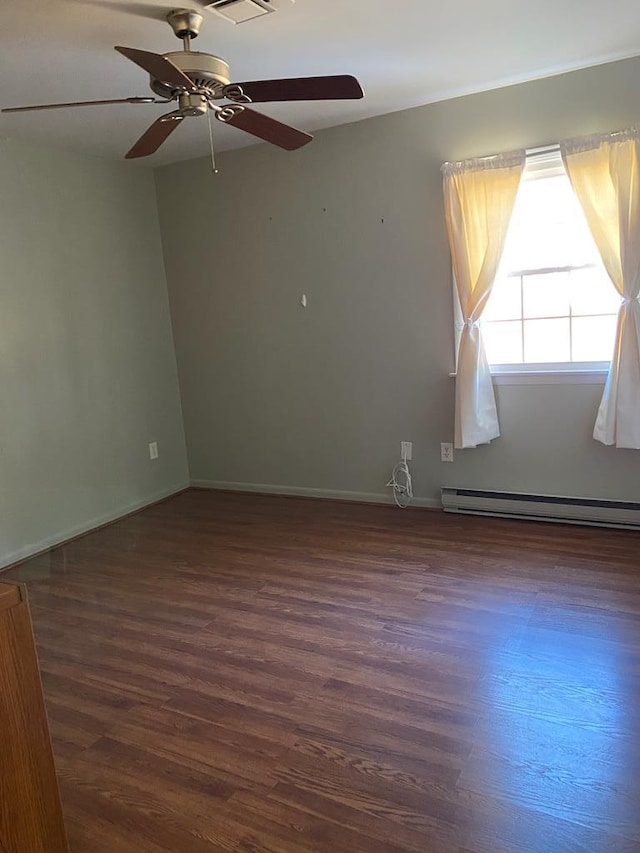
x: 479, y: 197
x: 605, y: 174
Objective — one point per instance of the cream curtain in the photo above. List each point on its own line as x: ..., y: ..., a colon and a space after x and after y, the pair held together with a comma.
x: 605, y: 174
x: 479, y: 197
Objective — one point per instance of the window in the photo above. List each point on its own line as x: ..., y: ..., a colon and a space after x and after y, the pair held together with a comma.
x: 553, y: 306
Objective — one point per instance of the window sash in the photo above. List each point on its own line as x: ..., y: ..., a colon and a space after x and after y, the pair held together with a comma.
x: 543, y: 164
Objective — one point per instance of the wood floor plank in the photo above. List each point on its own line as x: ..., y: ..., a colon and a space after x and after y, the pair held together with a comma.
x: 581, y: 776
x: 230, y: 673
x: 239, y: 759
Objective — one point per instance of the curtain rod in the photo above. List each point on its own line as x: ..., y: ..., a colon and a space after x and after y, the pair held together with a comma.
x: 529, y: 153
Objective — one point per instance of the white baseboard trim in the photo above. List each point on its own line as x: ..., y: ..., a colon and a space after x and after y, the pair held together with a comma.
x: 304, y: 492
x: 98, y: 521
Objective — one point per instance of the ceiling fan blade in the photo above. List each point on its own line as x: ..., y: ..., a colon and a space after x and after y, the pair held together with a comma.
x: 265, y: 127
x: 157, y: 66
x: 154, y: 136
x: 297, y: 89
x: 81, y: 104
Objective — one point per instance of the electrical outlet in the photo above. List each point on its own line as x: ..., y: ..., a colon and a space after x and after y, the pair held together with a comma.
x: 446, y: 451
x: 153, y: 450
x: 406, y: 450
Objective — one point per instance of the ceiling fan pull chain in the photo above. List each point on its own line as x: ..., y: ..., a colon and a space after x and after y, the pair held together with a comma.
x: 213, y: 152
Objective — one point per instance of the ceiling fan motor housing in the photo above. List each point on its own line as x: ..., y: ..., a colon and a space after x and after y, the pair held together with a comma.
x: 209, y: 73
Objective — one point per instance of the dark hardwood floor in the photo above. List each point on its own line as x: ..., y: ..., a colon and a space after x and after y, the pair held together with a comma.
x: 231, y: 672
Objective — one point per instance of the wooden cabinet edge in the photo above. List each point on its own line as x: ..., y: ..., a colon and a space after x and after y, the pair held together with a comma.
x: 31, y: 730
x: 10, y: 595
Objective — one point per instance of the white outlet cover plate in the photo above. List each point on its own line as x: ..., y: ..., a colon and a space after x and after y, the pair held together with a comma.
x: 446, y: 451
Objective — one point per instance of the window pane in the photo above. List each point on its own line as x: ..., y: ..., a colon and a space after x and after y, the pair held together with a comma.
x: 546, y: 295
x: 503, y: 342
x: 546, y: 340
x: 566, y: 313
x: 592, y: 338
x: 592, y: 292
x: 548, y: 228
x: 504, y: 302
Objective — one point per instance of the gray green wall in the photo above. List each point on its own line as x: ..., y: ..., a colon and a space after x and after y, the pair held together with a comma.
x: 87, y: 366
x: 291, y: 399
x: 275, y: 396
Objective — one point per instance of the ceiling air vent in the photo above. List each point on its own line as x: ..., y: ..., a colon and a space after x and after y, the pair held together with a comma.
x: 239, y: 11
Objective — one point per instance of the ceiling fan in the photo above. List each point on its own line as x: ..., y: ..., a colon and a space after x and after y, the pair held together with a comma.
x: 198, y: 80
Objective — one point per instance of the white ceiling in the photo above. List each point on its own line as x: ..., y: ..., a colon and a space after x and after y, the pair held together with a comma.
x: 404, y: 52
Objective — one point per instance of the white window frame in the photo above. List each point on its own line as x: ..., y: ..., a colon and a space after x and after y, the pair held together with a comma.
x: 542, y: 163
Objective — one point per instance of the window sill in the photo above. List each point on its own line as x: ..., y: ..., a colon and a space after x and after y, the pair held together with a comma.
x: 548, y: 377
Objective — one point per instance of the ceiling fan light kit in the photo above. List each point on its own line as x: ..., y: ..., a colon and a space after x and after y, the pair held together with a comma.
x: 196, y: 81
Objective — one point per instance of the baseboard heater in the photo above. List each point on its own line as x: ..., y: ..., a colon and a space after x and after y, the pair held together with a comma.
x: 603, y: 513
